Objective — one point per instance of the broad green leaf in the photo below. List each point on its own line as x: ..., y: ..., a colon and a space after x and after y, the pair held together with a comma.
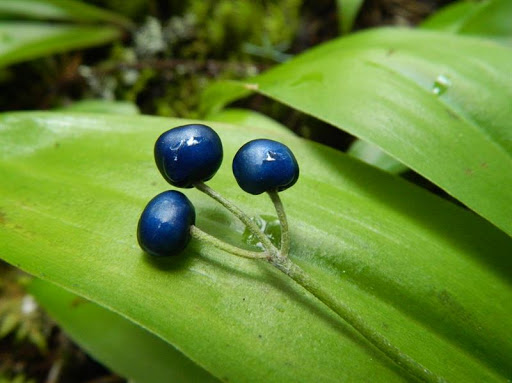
x: 438, y: 103
x: 373, y: 155
x: 69, y: 10
x: 250, y: 118
x: 434, y: 278
x: 118, y: 343
x: 490, y: 18
x: 347, y: 13
x: 102, y: 106
x: 493, y: 18
x: 22, y: 41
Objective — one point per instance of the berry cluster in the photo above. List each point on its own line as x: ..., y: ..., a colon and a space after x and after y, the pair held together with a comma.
x: 189, y: 155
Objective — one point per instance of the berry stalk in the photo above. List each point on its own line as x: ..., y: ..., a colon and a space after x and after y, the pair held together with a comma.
x: 285, y: 233
x: 279, y: 260
x: 296, y: 273
x: 200, y: 235
x: 246, y: 220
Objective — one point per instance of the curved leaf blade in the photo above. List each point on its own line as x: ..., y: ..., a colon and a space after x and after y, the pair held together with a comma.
x: 118, y: 343
x: 433, y: 277
x: 22, y: 41
x: 67, y: 10
x: 373, y: 155
x: 410, y: 93
x: 102, y: 106
x: 220, y: 93
x: 248, y: 117
x: 490, y: 18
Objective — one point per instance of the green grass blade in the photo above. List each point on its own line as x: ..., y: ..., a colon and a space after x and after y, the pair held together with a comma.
x: 22, y: 41
x: 66, y: 10
x: 432, y: 277
x: 120, y: 344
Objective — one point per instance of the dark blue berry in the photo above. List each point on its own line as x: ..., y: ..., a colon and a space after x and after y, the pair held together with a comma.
x: 164, y: 226
x: 188, y: 154
x: 265, y: 165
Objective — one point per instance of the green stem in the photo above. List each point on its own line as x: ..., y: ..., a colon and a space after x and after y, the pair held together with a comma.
x: 285, y: 265
x: 289, y: 268
x: 285, y: 233
x: 200, y: 235
x: 246, y: 220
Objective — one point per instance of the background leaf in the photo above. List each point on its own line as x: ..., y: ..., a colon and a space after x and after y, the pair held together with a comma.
x: 118, y: 343
x: 248, y: 117
x: 373, y: 155
x: 410, y: 93
x: 67, y: 10
x: 347, y: 13
x: 220, y: 93
x: 102, y: 106
x: 490, y: 18
x: 431, y: 276
x: 485, y: 18
x: 22, y: 41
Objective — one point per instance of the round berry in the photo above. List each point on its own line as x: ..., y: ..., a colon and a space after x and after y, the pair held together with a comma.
x: 164, y: 226
x: 188, y: 154
x: 265, y: 165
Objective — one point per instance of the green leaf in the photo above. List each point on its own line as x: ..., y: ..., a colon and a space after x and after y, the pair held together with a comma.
x: 102, y: 106
x: 347, y: 13
x: 67, y: 10
x: 373, y: 155
x: 22, y: 41
x: 490, y: 18
x: 434, y: 278
x: 118, y: 343
x: 218, y: 94
x: 410, y: 93
x: 464, y: 17
x: 250, y: 118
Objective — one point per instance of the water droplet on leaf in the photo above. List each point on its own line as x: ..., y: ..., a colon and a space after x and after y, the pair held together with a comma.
x: 270, y: 227
x: 441, y: 85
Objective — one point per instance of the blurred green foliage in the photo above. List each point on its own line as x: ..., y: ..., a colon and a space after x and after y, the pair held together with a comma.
x: 19, y: 316
x: 169, y: 62
x: 16, y: 379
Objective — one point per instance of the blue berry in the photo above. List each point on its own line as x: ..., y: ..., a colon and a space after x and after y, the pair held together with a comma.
x: 188, y: 154
x: 164, y: 226
x: 265, y: 165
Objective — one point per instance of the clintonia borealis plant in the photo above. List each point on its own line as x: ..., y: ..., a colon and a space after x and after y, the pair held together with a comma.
x: 387, y: 277
x: 189, y: 155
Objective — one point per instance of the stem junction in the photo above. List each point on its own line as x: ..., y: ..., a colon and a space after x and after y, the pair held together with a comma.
x: 279, y: 259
